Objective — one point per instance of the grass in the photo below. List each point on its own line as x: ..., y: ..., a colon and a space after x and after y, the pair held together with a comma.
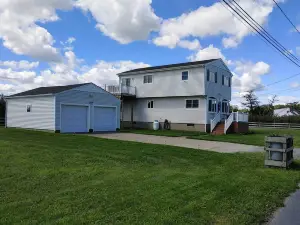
x: 254, y: 137
x: 50, y: 178
x: 168, y: 133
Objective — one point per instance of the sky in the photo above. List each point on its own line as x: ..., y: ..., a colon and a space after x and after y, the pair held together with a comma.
x: 60, y: 42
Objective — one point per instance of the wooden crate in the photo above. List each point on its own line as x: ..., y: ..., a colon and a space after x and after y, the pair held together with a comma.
x: 279, y: 151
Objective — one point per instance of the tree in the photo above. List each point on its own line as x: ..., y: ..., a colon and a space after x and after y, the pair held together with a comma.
x: 272, y: 101
x: 250, y: 101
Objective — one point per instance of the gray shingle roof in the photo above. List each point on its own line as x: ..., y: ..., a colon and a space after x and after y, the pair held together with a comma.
x: 47, y: 90
x: 168, y: 66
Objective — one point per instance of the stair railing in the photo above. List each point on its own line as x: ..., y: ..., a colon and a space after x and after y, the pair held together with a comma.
x: 228, y: 122
x: 215, y: 121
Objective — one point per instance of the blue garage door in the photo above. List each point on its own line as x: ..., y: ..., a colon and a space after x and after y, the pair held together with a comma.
x: 74, y: 118
x: 105, y: 119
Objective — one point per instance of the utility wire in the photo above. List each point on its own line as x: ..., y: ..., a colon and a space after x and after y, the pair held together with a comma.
x: 253, y: 26
x: 266, y: 33
x: 263, y: 32
x: 287, y: 17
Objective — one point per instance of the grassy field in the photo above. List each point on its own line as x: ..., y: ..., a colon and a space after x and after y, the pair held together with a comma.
x: 255, y: 136
x: 66, y: 179
x: 168, y: 133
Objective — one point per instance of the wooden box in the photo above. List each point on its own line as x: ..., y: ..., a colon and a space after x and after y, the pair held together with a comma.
x: 279, y: 151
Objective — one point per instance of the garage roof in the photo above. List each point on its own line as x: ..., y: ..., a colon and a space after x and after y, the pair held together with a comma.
x: 47, y: 90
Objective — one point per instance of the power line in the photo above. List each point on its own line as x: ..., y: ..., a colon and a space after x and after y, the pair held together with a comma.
x: 287, y: 17
x: 276, y: 45
x: 264, y: 32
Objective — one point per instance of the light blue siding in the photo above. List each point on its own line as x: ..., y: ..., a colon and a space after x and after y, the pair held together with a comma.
x: 86, y: 95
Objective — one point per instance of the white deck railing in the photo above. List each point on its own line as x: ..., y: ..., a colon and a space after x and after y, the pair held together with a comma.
x: 215, y: 121
x: 241, y: 117
x: 228, y: 122
x: 120, y: 89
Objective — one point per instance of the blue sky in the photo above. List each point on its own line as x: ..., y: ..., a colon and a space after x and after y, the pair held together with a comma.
x: 61, y: 42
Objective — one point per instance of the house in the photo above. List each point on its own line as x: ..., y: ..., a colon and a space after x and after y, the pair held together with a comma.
x: 191, y: 96
x: 285, y: 112
x: 66, y: 109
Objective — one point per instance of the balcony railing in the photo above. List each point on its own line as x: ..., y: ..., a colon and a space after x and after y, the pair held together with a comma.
x: 121, y: 90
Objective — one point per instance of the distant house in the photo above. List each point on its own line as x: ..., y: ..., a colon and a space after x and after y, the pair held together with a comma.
x: 285, y: 112
x: 192, y: 96
x: 66, y: 109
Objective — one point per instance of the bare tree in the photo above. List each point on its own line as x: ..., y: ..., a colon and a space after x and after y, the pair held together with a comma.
x: 272, y: 101
x: 250, y: 101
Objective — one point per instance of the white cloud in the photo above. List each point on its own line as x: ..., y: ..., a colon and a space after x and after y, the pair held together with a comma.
x: 250, y: 75
x: 70, y: 71
x: 213, y: 20
x: 123, y: 20
x: 210, y: 52
x: 19, y: 29
x: 23, y: 64
x: 71, y: 40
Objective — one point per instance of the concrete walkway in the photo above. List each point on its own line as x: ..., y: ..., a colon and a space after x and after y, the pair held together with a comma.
x: 222, y: 147
x: 290, y: 214
x: 182, y: 142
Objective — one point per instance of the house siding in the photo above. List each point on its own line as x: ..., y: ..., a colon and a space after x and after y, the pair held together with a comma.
x: 86, y: 95
x: 41, y: 116
x: 172, y: 109
x: 169, y: 83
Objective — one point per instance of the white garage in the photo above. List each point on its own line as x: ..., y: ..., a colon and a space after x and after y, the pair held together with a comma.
x: 76, y: 108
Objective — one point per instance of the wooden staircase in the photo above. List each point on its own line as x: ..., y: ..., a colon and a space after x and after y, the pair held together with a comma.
x: 219, y: 129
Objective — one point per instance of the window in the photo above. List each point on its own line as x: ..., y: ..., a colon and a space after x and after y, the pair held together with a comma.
x: 227, y: 81
x: 207, y: 75
x: 148, y: 79
x: 185, y: 75
x: 28, y: 108
x: 212, y: 77
x: 150, y: 104
x: 212, y: 105
x: 223, y: 77
x: 225, y: 107
x: 126, y: 81
x: 192, y: 104
x: 216, y: 77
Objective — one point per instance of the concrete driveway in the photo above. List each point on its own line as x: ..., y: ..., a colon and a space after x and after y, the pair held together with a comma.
x: 181, y: 142
x: 222, y: 147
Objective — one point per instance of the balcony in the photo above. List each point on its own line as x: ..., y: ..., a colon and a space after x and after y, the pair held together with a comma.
x: 121, y: 90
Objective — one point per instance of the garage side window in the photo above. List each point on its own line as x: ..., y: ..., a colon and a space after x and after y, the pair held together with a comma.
x: 28, y: 108
x: 150, y: 104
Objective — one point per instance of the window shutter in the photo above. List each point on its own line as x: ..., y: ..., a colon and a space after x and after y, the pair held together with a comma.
x: 209, y: 105
x: 216, y: 77
x: 229, y: 82
x: 223, y: 77
x: 207, y: 75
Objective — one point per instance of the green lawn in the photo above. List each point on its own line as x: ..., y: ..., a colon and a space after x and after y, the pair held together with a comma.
x: 67, y: 179
x: 255, y: 136
x: 168, y: 133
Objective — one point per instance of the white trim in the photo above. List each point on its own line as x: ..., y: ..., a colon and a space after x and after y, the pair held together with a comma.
x: 106, y: 106
x: 72, y: 104
x: 28, y: 96
x: 206, y: 115
x: 54, y: 102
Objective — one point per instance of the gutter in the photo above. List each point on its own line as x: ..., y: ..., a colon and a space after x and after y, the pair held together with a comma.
x: 26, y: 96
